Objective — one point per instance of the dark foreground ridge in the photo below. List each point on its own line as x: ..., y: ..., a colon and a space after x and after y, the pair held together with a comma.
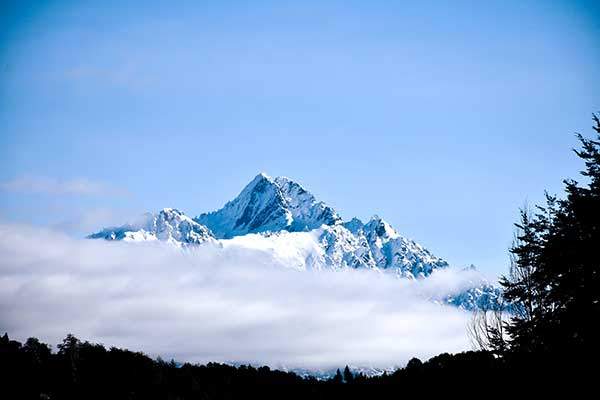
x: 83, y: 370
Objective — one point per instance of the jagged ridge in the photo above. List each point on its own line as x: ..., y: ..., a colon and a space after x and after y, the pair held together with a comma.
x: 169, y: 225
x: 267, y: 204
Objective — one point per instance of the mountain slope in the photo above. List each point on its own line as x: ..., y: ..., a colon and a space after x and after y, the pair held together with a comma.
x: 390, y: 250
x: 169, y: 225
x: 307, y: 212
x: 268, y: 204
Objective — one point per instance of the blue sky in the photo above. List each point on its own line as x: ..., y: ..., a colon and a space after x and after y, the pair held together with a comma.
x: 442, y: 117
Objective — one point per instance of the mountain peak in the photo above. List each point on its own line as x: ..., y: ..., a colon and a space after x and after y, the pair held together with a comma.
x: 262, y: 176
x: 269, y: 204
x: 168, y: 225
x: 381, y: 228
x: 355, y: 225
x: 170, y: 211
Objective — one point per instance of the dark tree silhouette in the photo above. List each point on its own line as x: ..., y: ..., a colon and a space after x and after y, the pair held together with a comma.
x: 553, y: 281
x: 337, y: 378
x: 348, y: 377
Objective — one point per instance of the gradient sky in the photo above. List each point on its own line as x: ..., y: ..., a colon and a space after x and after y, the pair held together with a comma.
x: 442, y: 117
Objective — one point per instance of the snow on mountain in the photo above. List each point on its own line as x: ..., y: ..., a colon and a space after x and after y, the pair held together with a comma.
x: 307, y: 212
x: 354, y: 225
x: 327, y: 247
x: 375, y: 246
x: 344, y: 249
x: 169, y: 225
x: 484, y: 296
x: 278, y: 216
x: 392, y: 251
x: 268, y: 204
x: 480, y: 295
x: 296, y: 250
x: 280, y: 205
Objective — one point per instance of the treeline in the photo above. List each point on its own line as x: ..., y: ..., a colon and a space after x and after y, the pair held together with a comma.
x: 549, y: 341
x: 83, y: 370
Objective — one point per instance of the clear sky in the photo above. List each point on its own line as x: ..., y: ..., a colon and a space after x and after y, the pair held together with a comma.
x: 442, y: 117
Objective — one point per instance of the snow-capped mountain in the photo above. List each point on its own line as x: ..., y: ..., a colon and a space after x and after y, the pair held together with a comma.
x: 392, y: 251
x: 483, y: 296
x: 336, y: 247
x: 278, y: 216
x: 169, y: 225
x: 267, y: 204
x: 328, y: 247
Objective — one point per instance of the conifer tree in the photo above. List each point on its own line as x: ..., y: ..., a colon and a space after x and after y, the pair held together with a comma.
x: 338, y: 377
x: 348, y: 377
x: 553, y: 281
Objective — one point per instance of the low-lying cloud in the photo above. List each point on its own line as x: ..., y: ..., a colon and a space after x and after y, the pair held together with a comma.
x: 214, y: 304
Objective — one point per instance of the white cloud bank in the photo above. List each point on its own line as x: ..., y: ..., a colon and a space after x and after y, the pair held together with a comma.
x: 225, y: 305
